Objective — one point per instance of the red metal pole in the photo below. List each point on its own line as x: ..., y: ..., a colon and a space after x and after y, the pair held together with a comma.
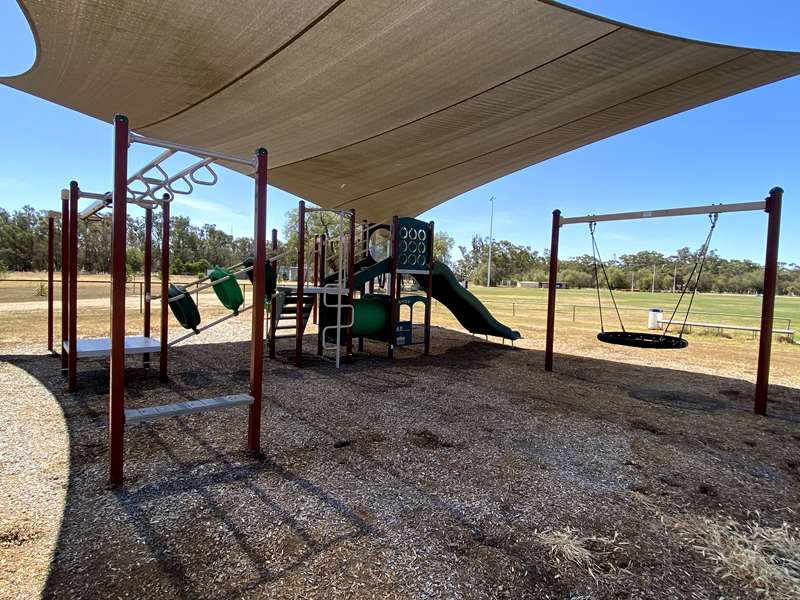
x: 315, y: 280
x: 259, y: 292
x: 322, y: 271
x: 551, y: 292
x: 64, y: 277
x: 371, y: 287
x: 51, y: 232
x: 163, y: 356
x: 365, y: 251
x: 430, y: 291
x: 393, y: 287
x: 116, y: 402
x: 301, y: 266
x: 773, y: 209
x: 351, y: 252
x: 72, y: 324
x: 148, y: 263
x: 273, y: 310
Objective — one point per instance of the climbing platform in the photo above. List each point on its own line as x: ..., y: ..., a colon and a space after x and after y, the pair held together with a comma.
x: 101, y: 347
x: 140, y: 415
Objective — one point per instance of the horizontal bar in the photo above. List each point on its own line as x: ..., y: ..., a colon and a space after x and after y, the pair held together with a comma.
x: 141, y: 139
x: 107, y: 197
x: 200, y: 288
x: 94, y: 208
x: 720, y: 326
x: 139, y: 415
x: 209, y: 326
x: 412, y: 271
x: 668, y: 212
x: 150, y: 165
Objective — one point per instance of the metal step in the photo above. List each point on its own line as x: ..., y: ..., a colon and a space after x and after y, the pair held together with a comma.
x: 139, y: 415
x: 292, y: 310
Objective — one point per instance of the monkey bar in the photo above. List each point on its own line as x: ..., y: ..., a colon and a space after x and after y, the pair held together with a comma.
x: 154, y: 179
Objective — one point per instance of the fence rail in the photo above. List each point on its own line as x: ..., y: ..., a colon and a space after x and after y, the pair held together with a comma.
x: 513, y: 305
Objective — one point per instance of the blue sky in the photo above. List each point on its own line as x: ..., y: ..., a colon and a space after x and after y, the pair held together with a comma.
x: 729, y: 151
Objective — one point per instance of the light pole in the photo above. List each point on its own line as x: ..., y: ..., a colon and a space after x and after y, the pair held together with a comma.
x: 674, y: 277
x: 491, y: 243
x: 653, y: 290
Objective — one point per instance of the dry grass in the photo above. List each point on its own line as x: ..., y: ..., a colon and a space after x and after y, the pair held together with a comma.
x: 766, y: 559
x: 568, y: 548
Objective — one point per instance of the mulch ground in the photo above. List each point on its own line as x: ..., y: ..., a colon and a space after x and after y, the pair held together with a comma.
x: 424, y: 477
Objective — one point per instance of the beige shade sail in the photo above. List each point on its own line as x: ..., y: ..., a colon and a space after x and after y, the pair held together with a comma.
x: 388, y: 107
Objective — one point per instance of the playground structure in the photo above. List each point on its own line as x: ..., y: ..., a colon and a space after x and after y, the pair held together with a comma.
x: 344, y: 301
x: 371, y: 315
x: 502, y: 110
x: 156, y: 188
x: 771, y: 205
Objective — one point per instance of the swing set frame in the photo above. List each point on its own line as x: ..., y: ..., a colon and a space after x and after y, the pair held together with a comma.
x: 771, y: 205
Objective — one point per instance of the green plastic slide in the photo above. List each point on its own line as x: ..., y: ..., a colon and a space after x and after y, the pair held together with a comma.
x: 467, y: 309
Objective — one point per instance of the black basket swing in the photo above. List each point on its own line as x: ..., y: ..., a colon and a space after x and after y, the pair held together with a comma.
x: 635, y: 339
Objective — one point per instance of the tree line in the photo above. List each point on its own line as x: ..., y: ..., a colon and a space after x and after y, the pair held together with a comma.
x: 23, y: 244
x: 512, y: 263
x: 193, y: 249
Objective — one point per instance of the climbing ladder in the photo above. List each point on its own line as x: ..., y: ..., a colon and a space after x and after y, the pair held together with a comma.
x: 283, y: 318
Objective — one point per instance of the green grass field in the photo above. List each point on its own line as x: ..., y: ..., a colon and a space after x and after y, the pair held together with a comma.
x: 707, y: 308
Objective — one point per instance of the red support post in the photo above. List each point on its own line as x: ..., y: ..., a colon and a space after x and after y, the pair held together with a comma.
x: 430, y: 291
x: 551, y: 292
x: 322, y: 271
x: 365, y: 251
x: 773, y: 209
x: 371, y: 286
x: 65, y: 226
x: 301, y: 267
x: 393, y: 289
x: 116, y: 402
x: 163, y: 356
x: 259, y: 293
x: 51, y: 232
x: 148, y: 264
x: 315, y: 280
x: 351, y: 252
x: 273, y: 310
x: 72, y: 322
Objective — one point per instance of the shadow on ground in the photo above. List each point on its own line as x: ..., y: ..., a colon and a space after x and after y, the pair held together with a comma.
x: 423, y: 476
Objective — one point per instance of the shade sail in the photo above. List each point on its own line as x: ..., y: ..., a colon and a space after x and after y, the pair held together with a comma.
x: 389, y: 107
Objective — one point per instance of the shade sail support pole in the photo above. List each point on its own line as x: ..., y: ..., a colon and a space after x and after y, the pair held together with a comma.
x: 116, y: 402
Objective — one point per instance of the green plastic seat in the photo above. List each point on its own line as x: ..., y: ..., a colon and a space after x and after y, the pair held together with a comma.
x: 269, y: 274
x: 185, y: 310
x: 228, y: 291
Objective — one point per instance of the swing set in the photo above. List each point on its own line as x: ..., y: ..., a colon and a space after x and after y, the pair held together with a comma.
x: 635, y: 339
x: 771, y: 205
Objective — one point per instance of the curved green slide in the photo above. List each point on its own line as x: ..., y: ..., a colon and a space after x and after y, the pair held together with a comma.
x: 467, y: 309
x: 371, y: 313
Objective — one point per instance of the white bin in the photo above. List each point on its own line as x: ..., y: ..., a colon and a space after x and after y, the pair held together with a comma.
x: 653, y: 315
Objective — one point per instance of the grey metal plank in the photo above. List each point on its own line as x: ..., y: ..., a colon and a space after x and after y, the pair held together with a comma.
x: 138, y: 415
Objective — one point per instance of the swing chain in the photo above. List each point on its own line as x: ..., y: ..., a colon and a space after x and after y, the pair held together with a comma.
x: 701, y: 261
x: 598, y: 259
